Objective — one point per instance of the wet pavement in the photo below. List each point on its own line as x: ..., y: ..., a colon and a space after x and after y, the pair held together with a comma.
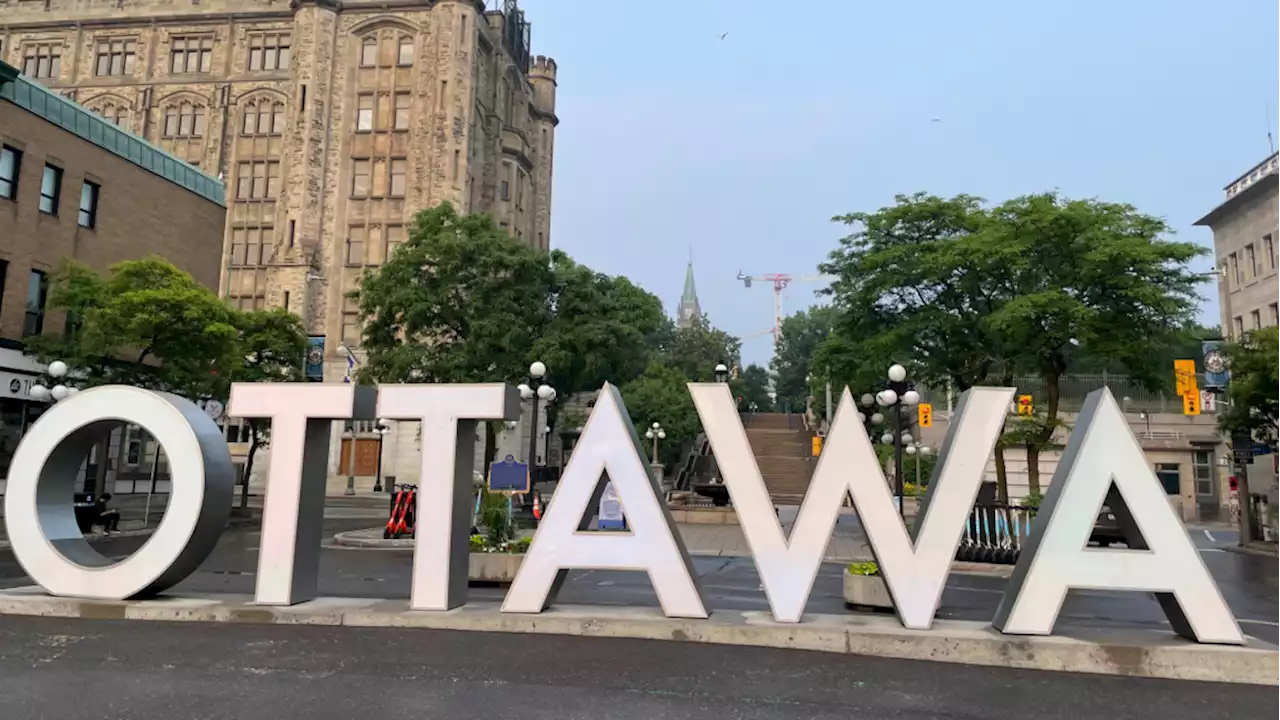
x: 1248, y: 582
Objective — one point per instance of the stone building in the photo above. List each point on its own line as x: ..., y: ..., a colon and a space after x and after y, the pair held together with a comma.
x: 1245, y: 232
x: 331, y: 122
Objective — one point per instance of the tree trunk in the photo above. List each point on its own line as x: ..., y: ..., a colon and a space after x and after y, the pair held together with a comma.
x: 1052, y: 399
x: 1002, y: 477
x: 248, y: 468
x: 490, y: 445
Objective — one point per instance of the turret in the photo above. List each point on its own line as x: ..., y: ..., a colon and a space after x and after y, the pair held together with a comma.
x: 542, y: 76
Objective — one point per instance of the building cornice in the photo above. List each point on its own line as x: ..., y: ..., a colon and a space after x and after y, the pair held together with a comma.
x: 1253, y: 192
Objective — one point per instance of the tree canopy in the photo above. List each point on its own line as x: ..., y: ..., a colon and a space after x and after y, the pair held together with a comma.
x: 793, y: 356
x: 1255, y: 370
x: 751, y: 388
x: 969, y: 295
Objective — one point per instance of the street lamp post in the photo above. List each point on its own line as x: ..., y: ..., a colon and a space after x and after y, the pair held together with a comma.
x: 535, y: 390
x: 655, y: 433
x: 898, y: 393
x: 722, y: 373
x: 918, y: 450
x: 351, y: 461
x: 383, y: 427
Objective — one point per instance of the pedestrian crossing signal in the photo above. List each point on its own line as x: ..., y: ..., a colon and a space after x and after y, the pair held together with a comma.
x: 1024, y: 405
x: 924, y: 415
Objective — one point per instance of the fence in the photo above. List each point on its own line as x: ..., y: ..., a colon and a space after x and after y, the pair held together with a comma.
x: 995, y: 534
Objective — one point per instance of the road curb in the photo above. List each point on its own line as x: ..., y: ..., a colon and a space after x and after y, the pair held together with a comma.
x: 234, y: 521
x: 1248, y: 550
x: 1137, y: 654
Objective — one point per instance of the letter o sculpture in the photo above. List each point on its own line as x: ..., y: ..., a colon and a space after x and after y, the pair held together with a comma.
x: 41, y: 516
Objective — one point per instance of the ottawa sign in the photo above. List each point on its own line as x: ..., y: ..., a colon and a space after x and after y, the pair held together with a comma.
x: 1102, y: 461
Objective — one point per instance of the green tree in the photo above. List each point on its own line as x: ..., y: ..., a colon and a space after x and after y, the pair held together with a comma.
x: 798, y: 341
x: 272, y: 346
x: 1091, y: 277
x: 146, y: 324
x: 661, y: 394
x: 969, y: 296
x: 1253, y: 404
x: 694, y: 351
x: 751, y: 388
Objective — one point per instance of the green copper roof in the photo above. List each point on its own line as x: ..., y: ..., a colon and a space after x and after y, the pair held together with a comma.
x: 690, y: 295
x: 39, y: 100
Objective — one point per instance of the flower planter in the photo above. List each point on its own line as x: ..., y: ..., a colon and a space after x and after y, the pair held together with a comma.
x: 866, y: 591
x: 499, y: 568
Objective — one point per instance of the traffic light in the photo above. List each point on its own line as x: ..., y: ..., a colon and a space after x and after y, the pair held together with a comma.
x: 924, y: 415
x: 1024, y: 405
x: 1191, y: 403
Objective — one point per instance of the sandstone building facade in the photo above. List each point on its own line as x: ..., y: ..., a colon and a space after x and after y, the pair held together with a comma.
x: 331, y: 122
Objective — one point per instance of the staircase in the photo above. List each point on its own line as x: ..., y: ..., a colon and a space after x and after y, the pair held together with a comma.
x: 782, y: 448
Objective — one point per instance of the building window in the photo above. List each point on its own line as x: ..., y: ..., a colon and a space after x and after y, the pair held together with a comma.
x: 350, y: 322
x: 398, y: 177
x: 269, y: 51
x: 191, y: 55
x: 10, y: 168
x: 258, y: 180
x: 263, y: 118
x: 88, y: 205
x: 1255, y: 319
x: 355, y: 245
x: 50, y: 189
x: 404, y: 52
x: 364, y: 112
x: 1202, y: 462
x: 4, y: 275
x: 113, y: 113
x: 1170, y: 477
x: 395, y: 238
x: 1233, y: 270
x: 1275, y: 314
x: 505, y: 190
x: 249, y: 246
x: 369, y: 52
x: 360, y: 179
x: 1239, y: 328
x: 37, y: 295
x: 115, y: 58
x: 184, y: 121
x: 1251, y: 260
x: 42, y: 61
x: 404, y: 102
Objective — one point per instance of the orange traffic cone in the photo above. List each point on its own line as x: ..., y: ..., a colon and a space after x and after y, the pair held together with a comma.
x: 537, y: 507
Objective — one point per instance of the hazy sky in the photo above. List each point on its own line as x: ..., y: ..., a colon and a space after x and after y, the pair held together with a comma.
x: 743, y: 148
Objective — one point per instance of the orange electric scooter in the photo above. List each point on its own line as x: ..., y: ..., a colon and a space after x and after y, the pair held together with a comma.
x: 403, y: 520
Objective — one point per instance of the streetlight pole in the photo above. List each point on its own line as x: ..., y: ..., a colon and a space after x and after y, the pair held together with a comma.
x: 655, y: 433
x: 897, y: 394
x: 917, y: 451
x: 535, y: 390
x: 722, y: 373
x: 351, y: 461
x: 384, y: 426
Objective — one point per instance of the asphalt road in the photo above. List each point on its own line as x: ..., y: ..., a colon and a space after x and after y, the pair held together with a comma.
x: 60, y: 668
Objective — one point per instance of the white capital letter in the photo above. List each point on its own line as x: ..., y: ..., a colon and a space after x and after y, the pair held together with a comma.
x: 42, y: 528
x: 915, y: 574
x: 448, y: 414
x: 293, y: 510
x: 609, y: 445
x: 1103, y: 454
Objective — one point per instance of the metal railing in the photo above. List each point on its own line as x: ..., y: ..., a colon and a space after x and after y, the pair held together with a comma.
x: 1074, y: 388
x: 995, y: 534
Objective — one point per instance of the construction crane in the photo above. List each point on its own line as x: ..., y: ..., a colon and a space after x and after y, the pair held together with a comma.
x: 780, y: 282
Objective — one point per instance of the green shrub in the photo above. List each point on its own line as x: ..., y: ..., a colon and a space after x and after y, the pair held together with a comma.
x: 867, y: 569
x: 477, y: 543
x: 1032, y: 501
x: 521, y: 546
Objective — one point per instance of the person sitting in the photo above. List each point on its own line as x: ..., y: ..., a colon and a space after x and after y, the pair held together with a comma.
x: 107, y: 517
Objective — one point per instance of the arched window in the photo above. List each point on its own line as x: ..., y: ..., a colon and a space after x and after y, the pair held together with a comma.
x: 184, y: 120
x: 263, y: 117
x: 114, y: 112
x: 369, y: 52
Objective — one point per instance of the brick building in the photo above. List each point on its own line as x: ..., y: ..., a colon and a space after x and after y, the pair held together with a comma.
x: 74, y: 185
x: 332, y: 123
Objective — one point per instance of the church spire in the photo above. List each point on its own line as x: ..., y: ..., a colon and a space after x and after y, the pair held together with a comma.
x: 689, y: 307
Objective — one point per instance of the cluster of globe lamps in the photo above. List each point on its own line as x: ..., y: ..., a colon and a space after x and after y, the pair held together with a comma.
x: 60, y: 390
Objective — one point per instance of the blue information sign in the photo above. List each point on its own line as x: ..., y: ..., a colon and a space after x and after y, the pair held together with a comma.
x: 508, y: 476
x: 609, y: 516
